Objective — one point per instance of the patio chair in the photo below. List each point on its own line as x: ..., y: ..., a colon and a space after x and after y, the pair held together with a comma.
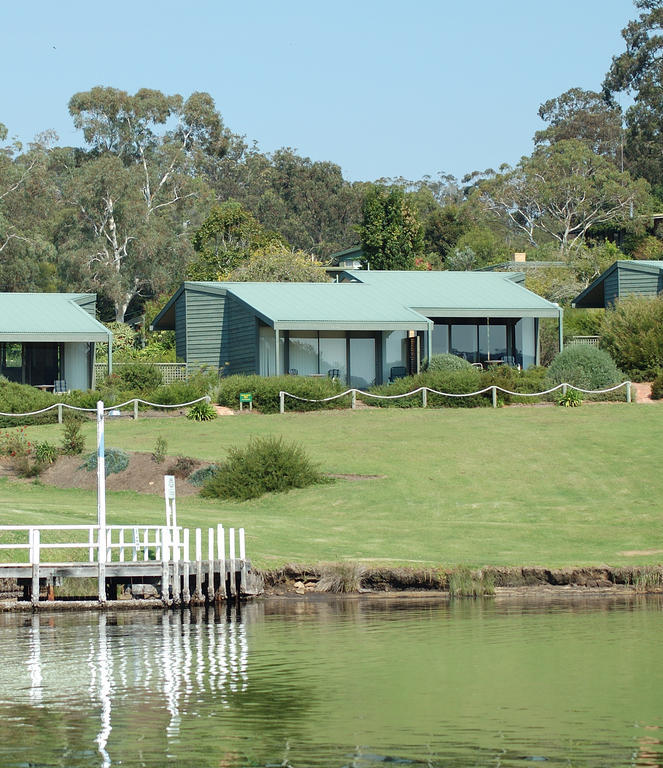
x: 334, y: 373
x: 397, y: 372
x: 60, y: 387
x: 293, y: 372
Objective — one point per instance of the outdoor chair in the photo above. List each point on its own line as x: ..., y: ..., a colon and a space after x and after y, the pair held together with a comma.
x: 397, y: 372
x: 334, y: 373
x: 293, y: 372
x: 60, y: 387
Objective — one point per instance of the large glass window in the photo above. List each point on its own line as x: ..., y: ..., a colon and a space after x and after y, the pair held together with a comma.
x: 492, y: 341
x: 362, y: 361
x: 440, y: 339
x: 464, y: 342
x: 267, y: 351
x: 11, y: 361
x: 303, y: 352
x: 333, y: 353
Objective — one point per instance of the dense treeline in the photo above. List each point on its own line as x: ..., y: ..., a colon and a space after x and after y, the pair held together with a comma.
x: 163, y: 190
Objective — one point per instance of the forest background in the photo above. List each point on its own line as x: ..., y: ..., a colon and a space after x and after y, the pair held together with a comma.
x: 162, y: 190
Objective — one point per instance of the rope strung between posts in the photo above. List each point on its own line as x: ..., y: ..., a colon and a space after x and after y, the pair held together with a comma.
x: 456, y: 394
x: 108, y: 407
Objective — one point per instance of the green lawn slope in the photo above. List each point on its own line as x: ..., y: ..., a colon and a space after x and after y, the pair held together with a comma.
x: 543, y: 486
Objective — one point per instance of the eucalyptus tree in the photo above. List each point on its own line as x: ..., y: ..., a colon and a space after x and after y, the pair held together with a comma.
x: 638, y: 72
x: 134, y: 192
x: 561, y: 191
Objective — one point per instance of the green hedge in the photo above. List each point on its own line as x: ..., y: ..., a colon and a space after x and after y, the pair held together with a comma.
x: 265, y: 391
x: 21, y: 398
x: 468, y: 380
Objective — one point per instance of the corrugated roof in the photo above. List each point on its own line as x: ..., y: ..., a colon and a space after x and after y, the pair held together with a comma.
x: 458, y: 294
x: 47, y: 317
x: 326, y: 305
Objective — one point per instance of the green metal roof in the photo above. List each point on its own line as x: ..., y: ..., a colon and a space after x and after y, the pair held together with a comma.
x: 332, y: 306
x: 458, y: 294
x: 51, y: 317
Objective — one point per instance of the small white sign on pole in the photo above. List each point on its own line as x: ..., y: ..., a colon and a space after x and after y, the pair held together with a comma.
x: 169, y: 492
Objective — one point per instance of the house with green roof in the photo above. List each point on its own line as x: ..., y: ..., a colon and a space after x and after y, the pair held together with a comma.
x: 363, y: 325
x: 623, y: 278
x: 49, y: 337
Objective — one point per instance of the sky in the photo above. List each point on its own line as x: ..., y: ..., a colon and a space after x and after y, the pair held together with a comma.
x: 382, y: 88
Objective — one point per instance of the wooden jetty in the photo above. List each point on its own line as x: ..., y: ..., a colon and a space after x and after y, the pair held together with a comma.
x: 141, y: 560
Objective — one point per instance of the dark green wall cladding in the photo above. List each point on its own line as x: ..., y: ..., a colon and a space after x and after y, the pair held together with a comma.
x: 240, y: 340
x: 204, y: 323
x: 88, y: 303
x: 638, y: 282
x: 180, y: 327
x: 611, y: 288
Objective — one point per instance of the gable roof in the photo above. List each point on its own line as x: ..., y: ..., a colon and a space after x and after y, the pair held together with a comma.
x: 459, y: 294
x: 376, y: 300
x: 594, y: 295
x: 53, y: 317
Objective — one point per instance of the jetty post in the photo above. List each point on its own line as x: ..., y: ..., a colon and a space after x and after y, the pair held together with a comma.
x: 101, y: 504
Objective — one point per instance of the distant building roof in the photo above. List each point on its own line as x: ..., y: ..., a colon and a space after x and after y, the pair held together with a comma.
x: 624, y: 277
x: 48, y: 317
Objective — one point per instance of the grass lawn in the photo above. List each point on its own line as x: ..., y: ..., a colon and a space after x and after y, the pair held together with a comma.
x: 515, y: 486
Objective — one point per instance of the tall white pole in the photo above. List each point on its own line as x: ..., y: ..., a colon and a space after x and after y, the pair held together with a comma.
x: 101, y: 501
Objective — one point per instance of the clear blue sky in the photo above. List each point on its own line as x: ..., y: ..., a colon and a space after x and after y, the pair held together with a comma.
x: 382, y: 88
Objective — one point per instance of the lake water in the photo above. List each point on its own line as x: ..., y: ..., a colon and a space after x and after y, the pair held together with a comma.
x: 358, y: 682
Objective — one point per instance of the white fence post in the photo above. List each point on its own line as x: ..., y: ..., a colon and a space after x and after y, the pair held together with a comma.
x: 281, y: 402
x: 494, y: 389
x: 135, y: 410
x: 34, y: 559
x: 628, y: 391
x: 354, y: 399
x: 424, y: 397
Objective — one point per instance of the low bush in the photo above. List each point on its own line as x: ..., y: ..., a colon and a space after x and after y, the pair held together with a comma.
x: 73, y: 440
x: 445, y: 362
x: 509, y: 378
x: 21, y: 398
x: 265, y: 391
x: 453, y: 382
x: 265, y: 465
x: 201, y: 411
x: 115, y: 461
x: 159, y: 450
x: 141, y: 377
x: 569, y: 399
x: 584, y: 366
x: 657, y: 387
x: 632, y: 333
x: 46, y: 453
x: 182, y: 467
x: 202, y: 475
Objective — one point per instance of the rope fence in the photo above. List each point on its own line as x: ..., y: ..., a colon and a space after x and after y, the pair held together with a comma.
x: 493, y: 389
x: 135, y: 401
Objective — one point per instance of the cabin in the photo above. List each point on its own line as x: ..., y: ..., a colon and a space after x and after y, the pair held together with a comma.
x: 623, y: 278
x: 50, y: 337
x: 359, y: 328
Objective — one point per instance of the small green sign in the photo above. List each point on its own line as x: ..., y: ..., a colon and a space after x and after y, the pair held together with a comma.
x: 245, y: 397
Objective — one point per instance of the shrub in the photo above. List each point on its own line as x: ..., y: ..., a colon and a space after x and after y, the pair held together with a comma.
x: 453, y: 382
x: 584, y: 366
x: 265, y: 390
x: 201, y: 411
x: 570, y: 399
x: 46, y: 453
x: 15, y: 443
x: 657, y: 387
x: 73, y: 441
x: 265, y: 465
x: 115, y: 461
x: 159, y: 450
x: 446, y: 362
x: 632, y: 333
x: 21, y: 398
x: 182, y: 467
x: 507, y: 377
x: 342, y: 578
x: 202, y: 475
x: 139, y: 376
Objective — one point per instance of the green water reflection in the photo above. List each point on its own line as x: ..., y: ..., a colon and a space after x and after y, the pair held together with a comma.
x: 359, y: 682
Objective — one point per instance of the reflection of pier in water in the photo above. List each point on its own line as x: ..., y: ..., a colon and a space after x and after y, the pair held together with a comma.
x: 198, y: 655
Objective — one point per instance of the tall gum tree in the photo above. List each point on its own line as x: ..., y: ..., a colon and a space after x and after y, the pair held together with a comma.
x: 562, y: 190
x: 132, y: 193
